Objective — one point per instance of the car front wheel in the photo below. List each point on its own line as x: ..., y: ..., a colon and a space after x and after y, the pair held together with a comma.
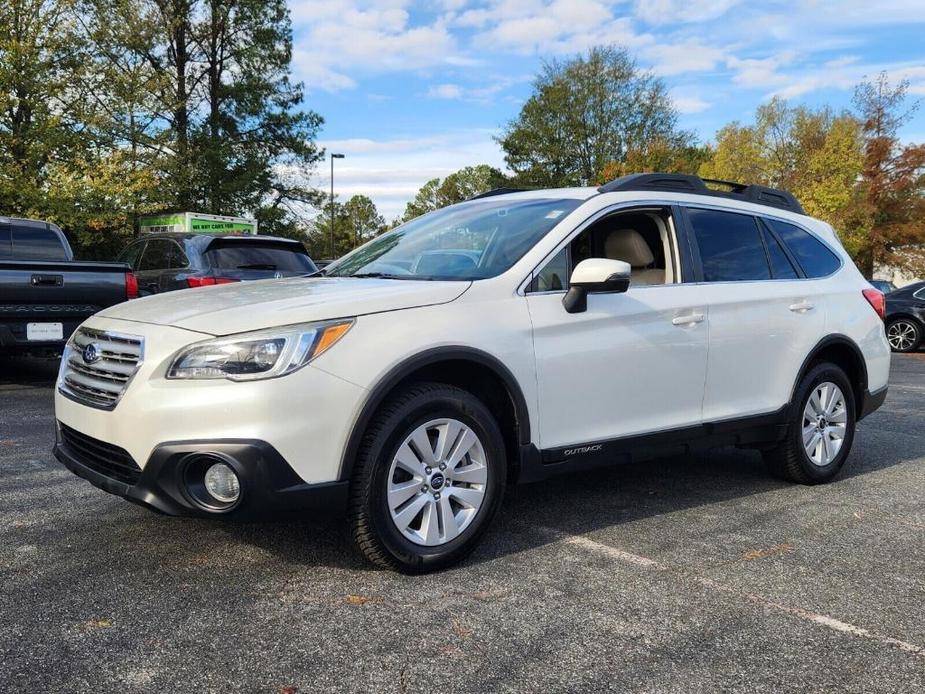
x: 820, y: 429
x: 428, y: 479
x: 903, y: 335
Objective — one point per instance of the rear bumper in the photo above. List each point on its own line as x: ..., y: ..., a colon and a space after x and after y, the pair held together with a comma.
x: 872, y: 401
x: 269, y: 486
x: 13, y: 335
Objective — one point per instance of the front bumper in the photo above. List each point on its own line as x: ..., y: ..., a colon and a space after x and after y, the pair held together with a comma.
x: 269, y: 486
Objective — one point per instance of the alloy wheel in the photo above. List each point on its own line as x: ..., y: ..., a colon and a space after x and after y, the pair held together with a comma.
x: 437, y: 482
x: 901, y: 335
x: 825, y: 423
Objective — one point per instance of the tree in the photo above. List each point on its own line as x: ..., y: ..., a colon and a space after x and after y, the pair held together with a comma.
x: 251, y: 125
x: 585, y: 114
x: 355, y: 222
x: 113, y: 108
x: 40, y: 99
x: 892, y: 182
x: 458, y: 186
x: 657, y: 155
x: 364, y: 218
x: 816, y: 154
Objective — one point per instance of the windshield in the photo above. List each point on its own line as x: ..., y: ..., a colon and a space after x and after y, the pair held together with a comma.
x: 470, y: 241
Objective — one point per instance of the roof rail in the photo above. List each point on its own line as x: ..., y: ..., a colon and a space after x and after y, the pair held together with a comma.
x: 496, y: 191
x: 685, y: 183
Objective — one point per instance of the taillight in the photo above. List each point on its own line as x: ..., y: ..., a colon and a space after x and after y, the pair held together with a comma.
x: 208, y: 281
x: 876, y: 300
x: 131, y: 286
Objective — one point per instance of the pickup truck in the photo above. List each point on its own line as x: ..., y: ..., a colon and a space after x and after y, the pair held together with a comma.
x: 44, y: 293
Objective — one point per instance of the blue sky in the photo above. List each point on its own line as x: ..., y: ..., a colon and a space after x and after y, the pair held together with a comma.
x: 414, y: 90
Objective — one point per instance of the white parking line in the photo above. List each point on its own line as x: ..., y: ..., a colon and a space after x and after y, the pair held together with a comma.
x: 715, y: 586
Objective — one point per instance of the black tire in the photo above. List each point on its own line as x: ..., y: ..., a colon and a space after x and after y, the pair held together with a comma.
x: 916, y: 338
x: 375, y: 533
x: 789, y: 459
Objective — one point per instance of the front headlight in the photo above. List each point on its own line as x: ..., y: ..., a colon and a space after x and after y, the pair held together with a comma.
x: 261, y: 354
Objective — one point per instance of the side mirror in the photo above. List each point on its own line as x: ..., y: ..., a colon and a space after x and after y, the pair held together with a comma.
x: 595, y: 276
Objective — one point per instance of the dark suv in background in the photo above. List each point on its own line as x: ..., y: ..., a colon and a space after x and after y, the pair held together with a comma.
x: 905, y: 317
x: 163, y: 262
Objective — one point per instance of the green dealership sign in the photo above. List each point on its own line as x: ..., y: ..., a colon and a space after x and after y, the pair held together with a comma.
x: 196, y: 223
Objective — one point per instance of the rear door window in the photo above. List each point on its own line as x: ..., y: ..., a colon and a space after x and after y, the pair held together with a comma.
x: 130, y: 255
x: 731, y: 249
x: 177, y: 257
x: 36, y: 243
x: 237, y: 255
x: 156, y: 255
x: 813, y: 255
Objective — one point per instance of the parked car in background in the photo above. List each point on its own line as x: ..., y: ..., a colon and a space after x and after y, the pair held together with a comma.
x: 514, y: 336
x: 44, y: 293
x: 884, y: 286
x: 905, y: 317
x: 164, y: 262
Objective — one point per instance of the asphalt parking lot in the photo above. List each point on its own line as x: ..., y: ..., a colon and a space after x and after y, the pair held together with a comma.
x: 682, y: 574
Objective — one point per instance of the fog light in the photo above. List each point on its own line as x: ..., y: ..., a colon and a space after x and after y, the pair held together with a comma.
x: 222, y: 483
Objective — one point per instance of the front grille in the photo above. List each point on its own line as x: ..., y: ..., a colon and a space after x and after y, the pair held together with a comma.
x: 100, y: 382
x: 101, y: 457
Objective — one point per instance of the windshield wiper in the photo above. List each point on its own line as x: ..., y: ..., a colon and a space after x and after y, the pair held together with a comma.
x: 379, y: 275
x: 257, y: 266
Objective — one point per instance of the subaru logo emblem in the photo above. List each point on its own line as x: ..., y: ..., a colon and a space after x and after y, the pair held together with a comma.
x: 92, y: 353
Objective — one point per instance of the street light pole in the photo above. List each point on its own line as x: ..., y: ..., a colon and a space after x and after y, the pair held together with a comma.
x: 333, y: 157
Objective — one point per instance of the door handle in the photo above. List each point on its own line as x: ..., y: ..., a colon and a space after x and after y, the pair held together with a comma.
x: 689, y: 319
x: 47, y: 280
x: 802, y: 306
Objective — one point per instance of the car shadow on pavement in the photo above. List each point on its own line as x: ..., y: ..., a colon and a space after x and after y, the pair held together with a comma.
x: 537, y: 514
x: 32, y: 372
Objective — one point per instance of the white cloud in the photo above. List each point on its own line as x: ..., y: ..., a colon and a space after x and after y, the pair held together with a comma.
x: 759, y: 72
x: 391, y: 171
x: 678, y: 11
x: 678, y: 58
x: 339, y: 38
x: 687, y: 102
x: 445, y: 91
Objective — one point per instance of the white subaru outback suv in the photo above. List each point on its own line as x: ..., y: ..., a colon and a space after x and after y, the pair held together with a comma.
x: 508, y: 338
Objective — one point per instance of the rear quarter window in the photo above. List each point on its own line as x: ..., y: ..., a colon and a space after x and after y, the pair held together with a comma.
x: 813, y: 255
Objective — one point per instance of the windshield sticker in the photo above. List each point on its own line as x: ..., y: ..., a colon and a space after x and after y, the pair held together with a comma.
x: 555, y: 214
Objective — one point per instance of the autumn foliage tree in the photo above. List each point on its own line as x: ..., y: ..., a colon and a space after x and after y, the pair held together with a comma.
x: 892, y: 183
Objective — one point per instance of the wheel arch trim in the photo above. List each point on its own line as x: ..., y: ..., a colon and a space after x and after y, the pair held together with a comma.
x: 834, y: 340
x: 398, y: 373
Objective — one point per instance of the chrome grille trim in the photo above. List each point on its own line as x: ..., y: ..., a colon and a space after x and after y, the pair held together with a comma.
x: 102, y: 383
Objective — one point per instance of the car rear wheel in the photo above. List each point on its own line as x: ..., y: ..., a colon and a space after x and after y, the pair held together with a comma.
x: 428, y: 479
x: 821, y: 428
x: 903, y: 335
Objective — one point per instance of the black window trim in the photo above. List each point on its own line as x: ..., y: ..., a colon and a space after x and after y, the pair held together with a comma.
x: 768, y: 230
x: 138, y: 242
x: 183, y: 252
x: 792, y: 256
x: 695, y: 251
x: 682, y: 243
x: 695, y: 246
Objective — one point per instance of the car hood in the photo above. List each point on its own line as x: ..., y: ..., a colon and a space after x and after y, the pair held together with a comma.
x: 241, y: 307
